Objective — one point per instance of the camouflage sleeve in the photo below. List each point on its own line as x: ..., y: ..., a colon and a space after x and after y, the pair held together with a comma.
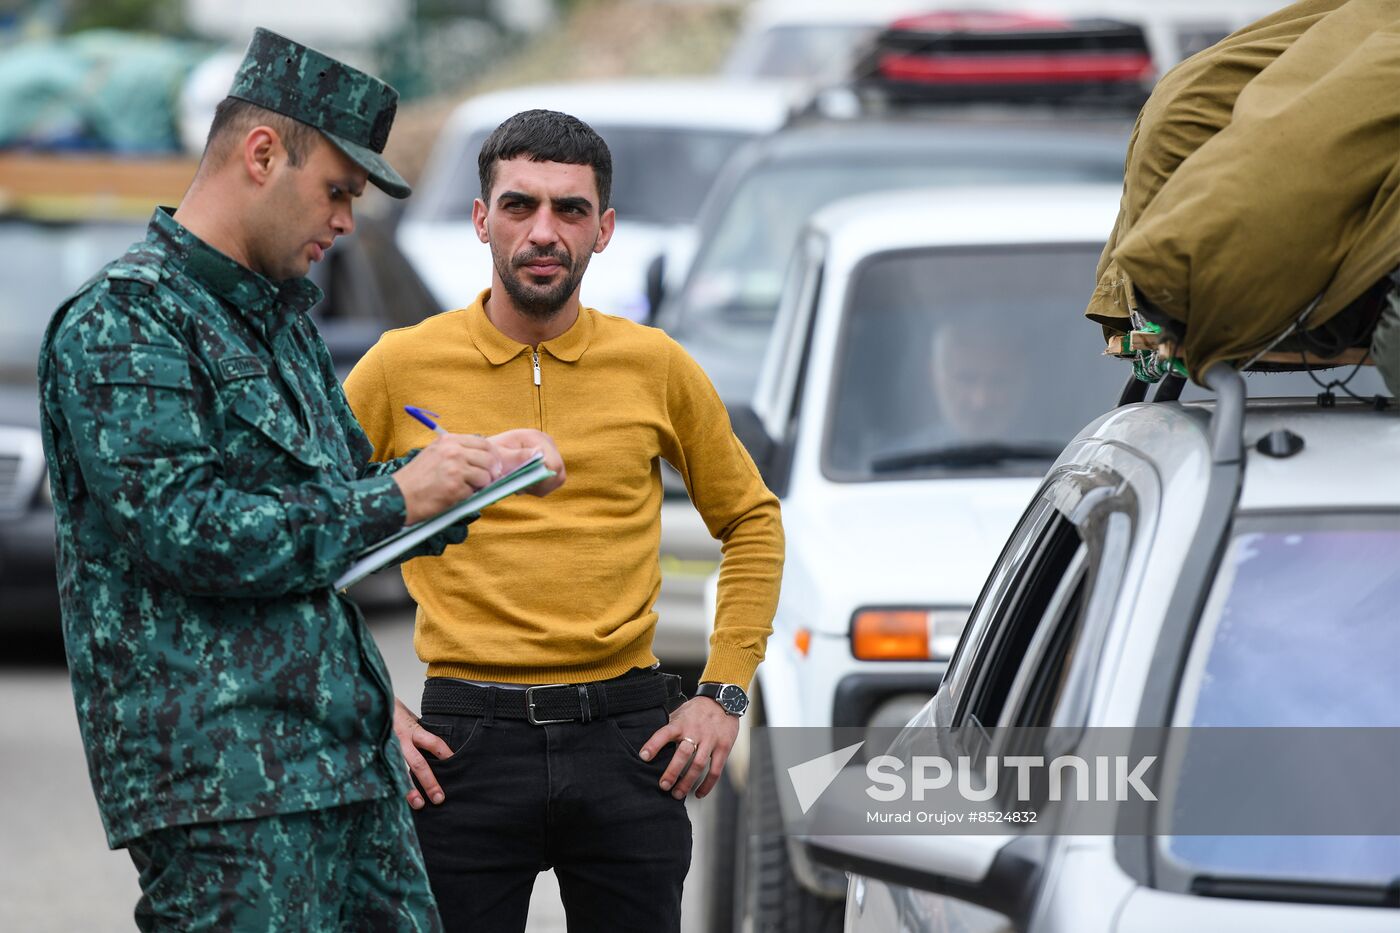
x: 129, y: 396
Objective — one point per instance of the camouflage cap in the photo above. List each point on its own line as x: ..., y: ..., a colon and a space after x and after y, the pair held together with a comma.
x: 352, y: 109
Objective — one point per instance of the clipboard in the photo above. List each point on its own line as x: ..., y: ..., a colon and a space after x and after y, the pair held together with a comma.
x: 381, y: 554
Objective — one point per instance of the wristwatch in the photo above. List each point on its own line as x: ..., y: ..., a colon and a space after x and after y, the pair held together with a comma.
x: 731, y: 697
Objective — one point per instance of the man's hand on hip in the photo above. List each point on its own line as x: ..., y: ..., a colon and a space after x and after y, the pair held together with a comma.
x: 412, y: 737
x: 704, y: 733
x: 445, y: 472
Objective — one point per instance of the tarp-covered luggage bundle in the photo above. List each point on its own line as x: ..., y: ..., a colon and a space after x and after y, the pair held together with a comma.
x: 1262, y: 187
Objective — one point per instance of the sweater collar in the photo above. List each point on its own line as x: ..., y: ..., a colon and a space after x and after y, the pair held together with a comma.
x: 499, y: 349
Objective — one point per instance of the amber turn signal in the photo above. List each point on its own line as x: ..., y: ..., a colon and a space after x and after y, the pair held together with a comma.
x: 890, y: 635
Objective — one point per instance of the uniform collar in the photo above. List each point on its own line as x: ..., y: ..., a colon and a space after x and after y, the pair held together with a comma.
x: 256, y: 296
x: 498, y: 348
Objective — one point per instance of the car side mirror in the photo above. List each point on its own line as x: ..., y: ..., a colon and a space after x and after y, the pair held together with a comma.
x: 772, y: 457
x: 655, y: 285
x: 753, y: 435
x: 995, y: 872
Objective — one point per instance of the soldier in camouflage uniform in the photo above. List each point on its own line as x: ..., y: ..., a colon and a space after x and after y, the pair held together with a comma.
x: 209, y: 482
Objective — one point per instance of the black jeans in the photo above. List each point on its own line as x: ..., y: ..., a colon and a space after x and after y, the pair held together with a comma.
x: 573, y: 796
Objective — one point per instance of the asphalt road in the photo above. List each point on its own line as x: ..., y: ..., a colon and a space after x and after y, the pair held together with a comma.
x: 56, y: 873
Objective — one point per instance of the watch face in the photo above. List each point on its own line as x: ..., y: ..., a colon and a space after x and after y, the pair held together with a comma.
x: 733, y: 699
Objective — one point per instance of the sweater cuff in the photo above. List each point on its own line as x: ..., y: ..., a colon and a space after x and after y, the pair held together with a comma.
x: 730, y: 665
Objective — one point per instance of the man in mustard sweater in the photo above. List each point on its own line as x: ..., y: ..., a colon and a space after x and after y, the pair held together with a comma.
x: 545, y: 715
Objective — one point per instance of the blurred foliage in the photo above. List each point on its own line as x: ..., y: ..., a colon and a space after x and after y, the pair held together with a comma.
x: 166, y: 17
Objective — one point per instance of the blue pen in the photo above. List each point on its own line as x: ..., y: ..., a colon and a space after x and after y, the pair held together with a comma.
x: 426, y: 417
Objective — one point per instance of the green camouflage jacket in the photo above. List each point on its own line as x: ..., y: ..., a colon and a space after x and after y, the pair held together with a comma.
x: 209, y: 482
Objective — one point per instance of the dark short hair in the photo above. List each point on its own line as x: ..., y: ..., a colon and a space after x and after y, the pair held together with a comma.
x: 233, y: 118
x: 547, y: 136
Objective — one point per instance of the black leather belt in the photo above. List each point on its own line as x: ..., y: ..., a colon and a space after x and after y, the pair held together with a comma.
x: 548, y: 703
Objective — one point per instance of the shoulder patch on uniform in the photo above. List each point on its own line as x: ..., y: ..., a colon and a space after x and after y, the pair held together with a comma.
x: 136, y: 273
x: 241, y: 367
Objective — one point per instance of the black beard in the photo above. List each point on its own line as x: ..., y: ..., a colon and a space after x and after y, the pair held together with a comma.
x: 541, y: 303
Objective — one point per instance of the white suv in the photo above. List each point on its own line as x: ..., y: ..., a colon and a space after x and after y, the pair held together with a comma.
x: 1223, y: 564
x: 925, y: 369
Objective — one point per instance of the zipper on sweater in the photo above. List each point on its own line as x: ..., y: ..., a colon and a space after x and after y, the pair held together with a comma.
x: 539, y: 393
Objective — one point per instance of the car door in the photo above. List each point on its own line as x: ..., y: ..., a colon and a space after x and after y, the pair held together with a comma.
x: 1023, y: 673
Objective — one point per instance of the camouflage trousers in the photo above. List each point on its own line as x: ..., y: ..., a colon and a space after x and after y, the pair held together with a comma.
x: 354, y: 867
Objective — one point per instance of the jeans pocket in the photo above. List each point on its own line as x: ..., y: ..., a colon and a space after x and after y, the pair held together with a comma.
x: 634, y: 729
x: 456, y: 731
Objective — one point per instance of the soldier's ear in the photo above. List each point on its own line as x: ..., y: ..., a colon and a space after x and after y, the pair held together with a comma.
x: 261, y: 149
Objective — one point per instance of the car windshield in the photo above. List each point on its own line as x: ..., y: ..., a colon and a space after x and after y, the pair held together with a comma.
x: 1299, y: 631
x: 44, y: 264
x: 967, y: 361
x: 660, y: 174
x: 726, y: 310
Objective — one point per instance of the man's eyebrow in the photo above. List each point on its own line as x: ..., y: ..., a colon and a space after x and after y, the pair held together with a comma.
x: 519, y: 196
x: 574, y: 201
x: 352, y: 185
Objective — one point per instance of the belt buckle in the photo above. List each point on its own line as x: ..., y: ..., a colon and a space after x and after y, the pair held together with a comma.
x: 530, y: 704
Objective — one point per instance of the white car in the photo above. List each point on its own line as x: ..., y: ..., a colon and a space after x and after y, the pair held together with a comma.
x: 926, y: 367
x: 668, y: 138
x: 1226, y: 566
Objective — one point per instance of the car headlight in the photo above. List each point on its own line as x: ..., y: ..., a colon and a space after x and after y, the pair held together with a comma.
x: 907, y: 634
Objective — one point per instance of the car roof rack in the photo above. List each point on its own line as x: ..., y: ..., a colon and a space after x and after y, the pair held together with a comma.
x: 951, y: 57
x: 1227, y: 419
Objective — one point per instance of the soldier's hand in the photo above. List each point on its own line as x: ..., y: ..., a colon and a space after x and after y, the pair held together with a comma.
x: 412, y: 737
x: 445, y: 472
x: 520, y: 445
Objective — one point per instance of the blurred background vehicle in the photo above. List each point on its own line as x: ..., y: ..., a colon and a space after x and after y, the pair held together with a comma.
x: 668, y: 138
x: 927, y: 366
x: 809, y: 40
x: 723, y: 313
x: 820, y: 40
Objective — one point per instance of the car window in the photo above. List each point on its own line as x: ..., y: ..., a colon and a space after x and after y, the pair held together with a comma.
x: 660, y: 174
x: 44, y: 264
x: 1055, y: 681
x: 1300, y: 630
x: 1046, y: 587
x: 964, y: 361
x: 724, y: 313
x: 996, y: 593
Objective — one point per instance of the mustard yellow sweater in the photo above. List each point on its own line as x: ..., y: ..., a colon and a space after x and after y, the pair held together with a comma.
x: 561, y: 588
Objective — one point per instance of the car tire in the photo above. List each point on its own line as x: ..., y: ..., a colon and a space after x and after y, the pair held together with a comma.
x: 767, y: 896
